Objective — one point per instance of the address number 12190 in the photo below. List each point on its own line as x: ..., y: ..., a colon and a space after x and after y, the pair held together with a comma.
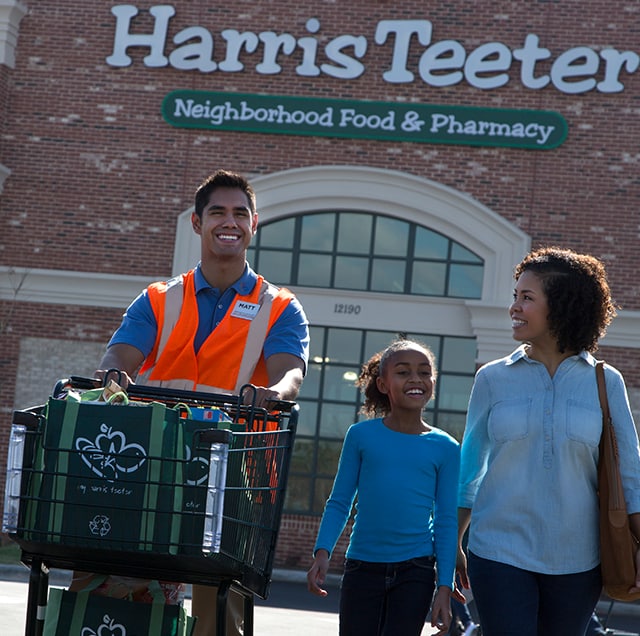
x: 344, y: 308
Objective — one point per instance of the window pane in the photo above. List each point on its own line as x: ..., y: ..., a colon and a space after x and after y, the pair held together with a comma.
x: 278, y: 234
x: 328, y: 457
x: 315, y: 270
x: 308, y: 417
x: 459, y: 354
x: 433, y: 342
x: 377, y: 341
x: 388, y: 275
x: 311, y: 385
x: 316, y: 335
x: 351, y: 272
x: 343, y: 345
x: 302, y: 456
x: 355, y: 233
x: 297, y: 496
x: 428, y: 278
x: 430, y: 244
x: 453, y: 392
x: 336, y: 385
x: 392, y: 236
x: 465, y: 281
x: 336, y: 419
x: 318, y: 231
x: 276, y: 267
x: 459, y: 253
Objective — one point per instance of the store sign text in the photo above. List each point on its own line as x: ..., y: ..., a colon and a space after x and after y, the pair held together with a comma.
x: 392, y: 121
x: 441, y: 63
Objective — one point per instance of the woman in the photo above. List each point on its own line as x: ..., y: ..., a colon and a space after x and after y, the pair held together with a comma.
x: 530, y: 452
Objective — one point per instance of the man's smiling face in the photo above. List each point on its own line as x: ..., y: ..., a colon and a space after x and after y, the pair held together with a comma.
x: 227, y: 224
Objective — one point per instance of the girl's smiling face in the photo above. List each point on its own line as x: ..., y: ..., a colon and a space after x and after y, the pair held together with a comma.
x: 407, y: 378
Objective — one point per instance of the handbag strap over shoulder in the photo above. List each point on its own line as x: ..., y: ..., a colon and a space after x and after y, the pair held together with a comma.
x: 608, y: 441
x: 602, y: 394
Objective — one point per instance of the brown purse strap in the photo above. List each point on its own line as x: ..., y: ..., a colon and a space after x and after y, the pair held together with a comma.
x: 602, y: 394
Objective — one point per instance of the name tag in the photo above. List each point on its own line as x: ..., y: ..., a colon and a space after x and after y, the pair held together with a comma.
x: 247, y: 311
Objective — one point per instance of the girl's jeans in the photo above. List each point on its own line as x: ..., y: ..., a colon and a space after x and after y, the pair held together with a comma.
x: 386, y: 599
x: 515, y: 602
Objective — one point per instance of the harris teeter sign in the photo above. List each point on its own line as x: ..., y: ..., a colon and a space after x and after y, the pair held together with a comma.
x: 392, y: 121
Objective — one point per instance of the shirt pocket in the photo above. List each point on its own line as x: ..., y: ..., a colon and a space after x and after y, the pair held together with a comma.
x: 584, y: 424
x: 509, y: 420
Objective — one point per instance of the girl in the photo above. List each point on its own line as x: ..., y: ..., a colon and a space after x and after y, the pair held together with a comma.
x: 405, y: 474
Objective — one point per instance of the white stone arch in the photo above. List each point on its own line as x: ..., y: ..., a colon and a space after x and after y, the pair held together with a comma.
x: 457, y: 215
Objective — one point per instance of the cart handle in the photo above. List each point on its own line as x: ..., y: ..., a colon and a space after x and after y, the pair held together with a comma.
x: 165, y: 394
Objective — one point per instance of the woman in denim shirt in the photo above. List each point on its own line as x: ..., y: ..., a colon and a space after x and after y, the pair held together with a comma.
x: 530, y: 451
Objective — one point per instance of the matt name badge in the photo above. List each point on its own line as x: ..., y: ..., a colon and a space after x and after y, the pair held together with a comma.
x: 245, y: 310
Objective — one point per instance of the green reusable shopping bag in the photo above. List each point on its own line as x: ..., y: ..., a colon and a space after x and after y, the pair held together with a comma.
x: 110, y: 477
x: 86, y: 614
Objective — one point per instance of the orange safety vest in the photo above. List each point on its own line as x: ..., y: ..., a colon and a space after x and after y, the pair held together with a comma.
x: 230, y: 357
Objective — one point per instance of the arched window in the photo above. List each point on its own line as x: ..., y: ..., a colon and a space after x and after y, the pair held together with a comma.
x: 361, y: 251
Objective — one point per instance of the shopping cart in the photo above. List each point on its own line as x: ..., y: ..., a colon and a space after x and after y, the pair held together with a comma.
x: 212, y: 494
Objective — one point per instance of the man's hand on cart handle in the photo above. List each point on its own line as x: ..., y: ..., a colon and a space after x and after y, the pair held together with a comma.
x: 120, y: 377
x: 261, y: 396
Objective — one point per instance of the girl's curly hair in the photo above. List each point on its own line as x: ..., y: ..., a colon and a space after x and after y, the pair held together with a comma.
x: 578, y: 295
x: 375, y: 402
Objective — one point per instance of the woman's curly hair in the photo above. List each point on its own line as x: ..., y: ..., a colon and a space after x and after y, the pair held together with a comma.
x: 375, y: 402
x: 578, y: 295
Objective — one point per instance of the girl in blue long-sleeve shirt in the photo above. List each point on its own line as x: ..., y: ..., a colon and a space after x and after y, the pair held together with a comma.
x: 405, y: 474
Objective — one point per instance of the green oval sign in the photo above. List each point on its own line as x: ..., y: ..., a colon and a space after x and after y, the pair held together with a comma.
x: 422, y: 123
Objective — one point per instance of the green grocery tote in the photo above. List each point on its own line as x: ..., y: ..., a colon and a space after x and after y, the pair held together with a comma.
x: 108, y: 477
x: 87, y: 614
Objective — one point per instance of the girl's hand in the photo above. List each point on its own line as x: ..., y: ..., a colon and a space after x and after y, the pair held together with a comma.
x: 441, y: 610
x: 318, y: 572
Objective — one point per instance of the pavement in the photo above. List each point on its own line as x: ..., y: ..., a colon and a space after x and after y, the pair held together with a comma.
x: 290, y: 610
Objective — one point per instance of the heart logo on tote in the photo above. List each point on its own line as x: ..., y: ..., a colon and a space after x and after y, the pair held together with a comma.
x: 109, y: 455
x: 108, y: 628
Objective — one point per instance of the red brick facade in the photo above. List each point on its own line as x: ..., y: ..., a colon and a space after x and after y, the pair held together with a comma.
x: 98, y: 178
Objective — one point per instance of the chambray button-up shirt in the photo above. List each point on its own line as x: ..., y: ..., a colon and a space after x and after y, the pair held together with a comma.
x: 529, y: 461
